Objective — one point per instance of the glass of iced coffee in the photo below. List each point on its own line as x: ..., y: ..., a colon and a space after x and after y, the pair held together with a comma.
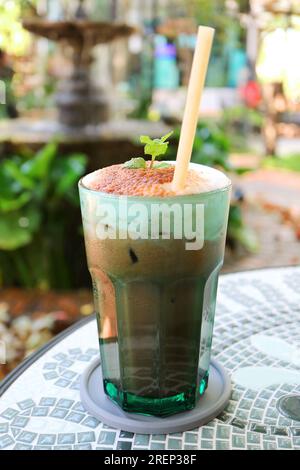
x: 154, y: 255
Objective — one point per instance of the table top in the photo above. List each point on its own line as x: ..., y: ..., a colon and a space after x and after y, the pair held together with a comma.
x: 256, y: 338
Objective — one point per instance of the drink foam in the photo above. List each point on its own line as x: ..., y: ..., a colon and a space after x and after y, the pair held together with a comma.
x: 117, y: 180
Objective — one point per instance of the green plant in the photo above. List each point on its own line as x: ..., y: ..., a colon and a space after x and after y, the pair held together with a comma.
x: 289, y: 162
x: 238, y: 231
x: 14, y: 39
x: 211, y: 147
x: 153, y: 147
x: 37, y: 194
x: 237, y: 122
x: 239, y: 114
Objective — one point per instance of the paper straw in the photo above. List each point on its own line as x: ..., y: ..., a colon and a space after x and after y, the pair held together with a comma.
x: 191, y: 112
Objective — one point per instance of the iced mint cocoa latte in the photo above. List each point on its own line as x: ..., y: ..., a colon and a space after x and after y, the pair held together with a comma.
x: 155, y: 235
x: 154, y: 288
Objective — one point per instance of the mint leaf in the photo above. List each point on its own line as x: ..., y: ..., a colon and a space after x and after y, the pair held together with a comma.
x: 161, y: 165
x: 165, y: 137
x: 155, y: 147
x: 145, y: 139
x: 135, y: 163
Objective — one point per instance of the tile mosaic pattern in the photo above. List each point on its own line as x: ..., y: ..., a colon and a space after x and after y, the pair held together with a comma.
x: 42, y: 409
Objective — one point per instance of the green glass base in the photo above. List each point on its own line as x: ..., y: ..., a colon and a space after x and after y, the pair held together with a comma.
x: 155, y: 406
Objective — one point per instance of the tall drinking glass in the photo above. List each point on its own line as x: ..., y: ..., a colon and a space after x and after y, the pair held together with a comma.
x: 155, y: 296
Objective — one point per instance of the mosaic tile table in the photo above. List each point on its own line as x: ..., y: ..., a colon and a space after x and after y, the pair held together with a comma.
x: 257, y: 339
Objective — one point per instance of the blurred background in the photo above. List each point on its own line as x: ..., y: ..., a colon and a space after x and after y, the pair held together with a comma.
x: 81, y: 80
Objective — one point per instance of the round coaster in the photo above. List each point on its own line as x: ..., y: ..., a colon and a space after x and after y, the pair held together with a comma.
x: 208, y: 407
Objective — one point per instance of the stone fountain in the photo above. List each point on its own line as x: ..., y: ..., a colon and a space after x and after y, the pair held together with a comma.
x: 79, y: 103
x: 83, y: 118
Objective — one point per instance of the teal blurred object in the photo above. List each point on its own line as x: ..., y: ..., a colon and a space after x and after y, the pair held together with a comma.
x: 166, y: 73
x: 237, y: 64
x: 216, y: 74
x: 187, y: 40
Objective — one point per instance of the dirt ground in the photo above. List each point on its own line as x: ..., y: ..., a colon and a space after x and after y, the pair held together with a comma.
x: 278, y: 243
x: 272, y: 210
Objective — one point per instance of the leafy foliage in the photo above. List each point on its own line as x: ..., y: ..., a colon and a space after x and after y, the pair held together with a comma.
x: 36, y: 192
x: 135, y: 163
x: 211, y: 147
x: 153, y: 147
x: 290, y: 162
x: 14, y: 39
x: 238, y: 231
x: 238, y: 122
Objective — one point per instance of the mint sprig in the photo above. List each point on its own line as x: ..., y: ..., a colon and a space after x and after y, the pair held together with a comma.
x: 135, y: 163
x: 153, y: 147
